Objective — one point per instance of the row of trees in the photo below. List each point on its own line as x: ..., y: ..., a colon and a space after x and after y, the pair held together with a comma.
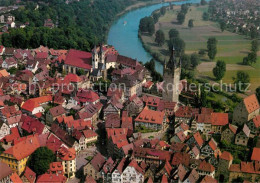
x: 252, y: 55
x: 181, y: 15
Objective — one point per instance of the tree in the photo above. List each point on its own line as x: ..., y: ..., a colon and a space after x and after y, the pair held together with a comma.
x: 147, y: 25
x: 205, y: 16
x: 254, y: 46
x: 190, y: 24
x: 219, y: 70
x: 184, y: 8
x: 185, y: 61
x: 173, y: 33
x: 163, y: 10
x: 212, y: 47
x: 203, y: 97
x: 156, y: 17
x: 178, y: 44
x: 80, y: 72
x: 253, y: 33
x: 159, y: 37
x: 181, y: 17
x: 241, y: 81
x: 171, y: 5
x: 257, y: 92
x: 223, y: 26
x: 203, y: 2
x: 194, y: 59
x: 40, y: 160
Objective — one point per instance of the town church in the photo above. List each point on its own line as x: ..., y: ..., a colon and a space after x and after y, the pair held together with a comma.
x: 171, y: 77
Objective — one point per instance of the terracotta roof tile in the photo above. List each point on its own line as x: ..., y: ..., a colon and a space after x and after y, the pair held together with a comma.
x: 209, y: 179
x: 5, y: 170
x: 256, y: 154
x: 150, y: 116
x: 30, y: 175
x: 181, y: 158
x: 15, y: 178
x: 79, y: 59
x: 251, y: 103
x: 226, y: 156
x: 256, y: 121
x: 207, y: 167
x: 51, y: 178
x: 198, y: 138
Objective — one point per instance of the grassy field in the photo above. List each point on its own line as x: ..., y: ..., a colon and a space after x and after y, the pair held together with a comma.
x: 231, y: 47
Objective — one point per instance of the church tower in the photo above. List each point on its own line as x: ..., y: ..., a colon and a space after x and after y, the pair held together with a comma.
x: 171, y: 77
x: 95, y: 58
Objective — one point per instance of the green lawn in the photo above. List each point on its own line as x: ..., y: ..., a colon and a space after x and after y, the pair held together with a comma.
x: 232, y: 48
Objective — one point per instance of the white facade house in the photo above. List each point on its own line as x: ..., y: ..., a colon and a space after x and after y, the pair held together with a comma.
x: 4, y: 130
x: 133, y: 173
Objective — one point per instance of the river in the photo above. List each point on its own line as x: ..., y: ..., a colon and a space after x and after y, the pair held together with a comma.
x: 124, y: 37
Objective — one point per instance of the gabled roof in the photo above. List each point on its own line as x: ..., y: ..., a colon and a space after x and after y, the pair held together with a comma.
x: 98, y: 161
x: 32, y: 125
x: 66, y: 154
x: 181, y: 158
x: 80, y: 59
x: 256, y: 121
x: 226, y: 156
x: 198, y: 138
x: 90, y: 179
x: 56, y: 111
x: 213, y: 144
x: 256, y: 154
x: 246, y: 130
x: 134, y: 164
x: 24, y: 148
x: 219, y: 119
x: 209, y: 179
x: 121, y: 165
x: 181, y: 172
x: 29, y: 174
x: 150, y: 116
x: 207, y: 167
x: 251, y: 103
x: 51, y: 178
x: 15, y: 178
x: 32, y: 103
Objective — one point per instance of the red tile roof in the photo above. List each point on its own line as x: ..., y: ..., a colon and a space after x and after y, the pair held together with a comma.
x: 89, y: 133
x: 98, y: 161
x: 112, y: 121
x: 233, y: 128
x: 32, y: 125
x: 30, y: 175
x: 164, y: 179
x: 134, y: 164
x: 72, y: 78
x: 207, y: 167
x: 90, y: 179
x: 57, y: 111
x: 80, y: 59
x: 32, y: 103
x: 198, y: 138
x: 256, y: 154
x: 213, y: 145
x: 150, y: 116
x: 251, y: 103
x: 181, y: 172
x: 15, y: 178
x: 67, y: 154
x: 209, y: 179
x: 24, y: 148
x: 56, y: 167
x: 51, y: 178
x: 11, y: 137
x: 256, y: 121
x: 226, y: 156
x: 181, y: 158
x: 219, y: 119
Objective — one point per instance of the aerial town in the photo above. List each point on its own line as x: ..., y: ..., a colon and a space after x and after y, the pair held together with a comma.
x: 94, y: 115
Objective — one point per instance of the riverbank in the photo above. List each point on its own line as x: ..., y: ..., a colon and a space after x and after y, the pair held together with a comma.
x: 143, y: 4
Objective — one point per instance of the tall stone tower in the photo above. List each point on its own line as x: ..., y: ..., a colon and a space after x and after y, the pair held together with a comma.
x: 95, y: 58
x: 171, y: 77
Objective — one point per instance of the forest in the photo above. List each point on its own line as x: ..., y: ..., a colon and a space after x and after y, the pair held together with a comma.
x: 79, y: 25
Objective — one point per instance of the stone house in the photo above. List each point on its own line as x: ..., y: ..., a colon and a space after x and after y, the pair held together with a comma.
x: 93, y: 168
x: 254, y: 125
x: 135, y: 106
x: 247, y: 170
x: 246, y: 110
x: 225, y: 161
x: 229, y: 133
x: 242, y: 137
x: 210, y: 149
x: 55, y: 112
